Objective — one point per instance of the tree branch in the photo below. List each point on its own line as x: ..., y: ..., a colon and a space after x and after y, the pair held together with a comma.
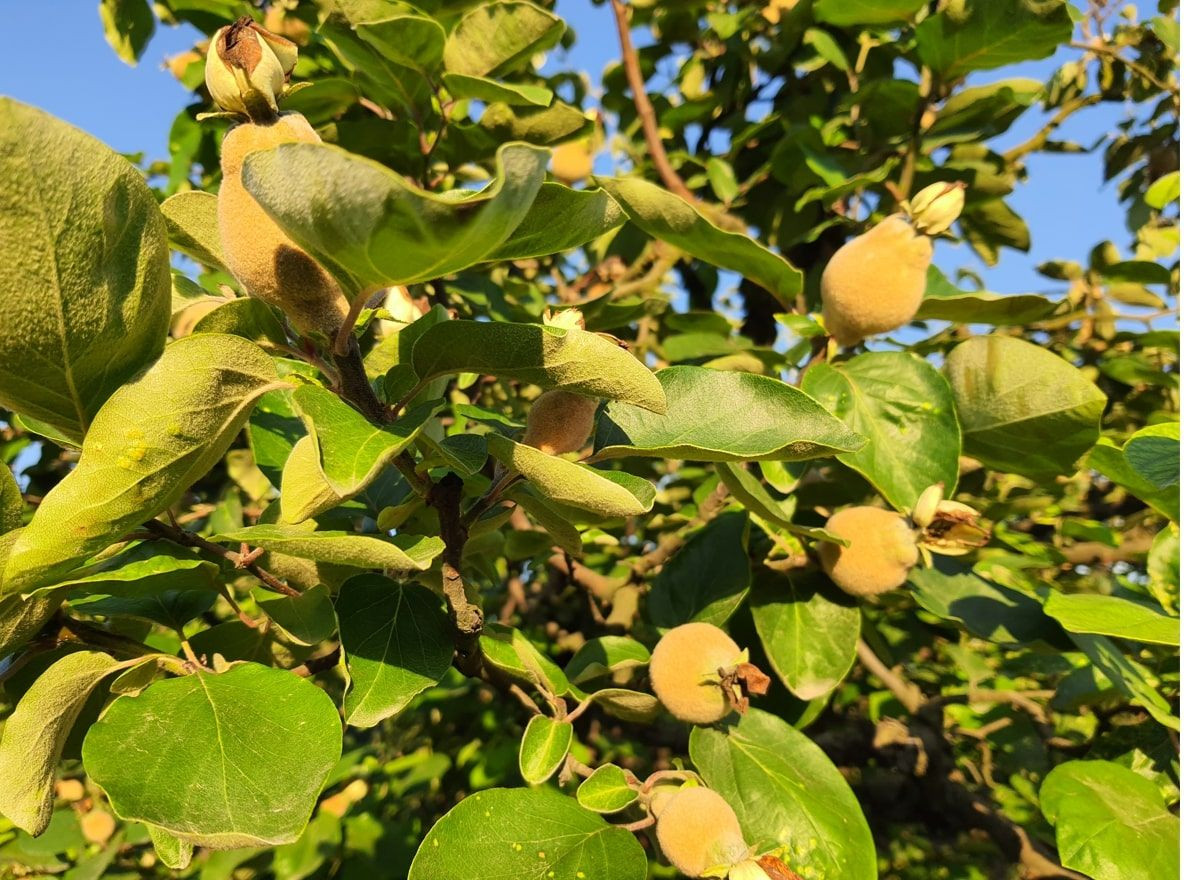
x: 645, y: 110
x: 191, y: 539
x: 467, y: 617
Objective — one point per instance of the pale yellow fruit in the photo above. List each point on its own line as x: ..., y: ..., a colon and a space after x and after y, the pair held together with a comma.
x: 882, y: 550
x: 265, y: 261
x: 69, y: 790
x: 559, y: 422
x: 97, y: 826
x: 571, y: 162
x: 875, y: 282
x: 699, y: 831
x: 684, y: 672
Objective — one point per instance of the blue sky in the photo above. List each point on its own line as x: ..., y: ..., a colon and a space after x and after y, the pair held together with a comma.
x: 131, y: 109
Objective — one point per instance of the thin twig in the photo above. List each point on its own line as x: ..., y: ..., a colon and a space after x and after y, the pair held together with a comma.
x: 645, y: 110
x: 191, y: 539
x: 1040, y: 138
x: 906, y: 692
x: 1135, y: 66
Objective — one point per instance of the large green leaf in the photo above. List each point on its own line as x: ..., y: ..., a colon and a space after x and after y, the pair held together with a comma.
x: 480, y: 88
x: 402, y: 553
x: 84, y: 266
x: 606, y: 493
x: 148, y: 568
x: 192, y: 221
x: 1023, y: 410
x: 1109, y: 460
x: 983, y: 35
x: 544, y: 747
x: 786, y: 791
x: 12, y: 502
x: 1111, y: 822
x: 1154, y: 454
x: 906, y: 409
x: 561, y: 218
x: 414, y: 41
x: 497, y: 37
x: 945, y: 302
x: 808, y: 630
x: 1131, y: 678
x: 352, y: 450
x: 526, y: 833
x: 670, y: 218
x: 707, y: 579
x: 397, y: 644
x: 32, y: 738
x: 152, y: 440
x: 306, y: 619
x: 713, y: 415
x: 249, y: 748
x: 554, y: 357
x: 850, y: 12
x: 1112, y: 616
x: 373, y: 228
x: 978, y: 113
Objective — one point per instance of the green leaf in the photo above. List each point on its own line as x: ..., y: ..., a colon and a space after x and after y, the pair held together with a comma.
x: 397, y: 643
x: 526, y: 833
x: 845, y: 13
x: 12, y: 502
x: 535, y: 125
x: 148, y: 568
x: 561, y: 218
x: 373, y: 229
x: 670, y: 218
x: 1154, y: 454
x: 603, y: 656
x: 247, y: 317
x: 84, y: 266
x: 21, y: 618
x: 713, y: 415
x: 1131, y: 678
x: 543, y: 749
x: 987, y: 610
x: 1111, y: 823
x: 751, y: 492
x: 480, y: 88
x: 1163, y: 569
x: 565, y: 535
x: 786, y: 791
x: 304, y: 489
x: 1109, y: 460
x: 32, y: 738
x: 249, y: 747
x: 172, y: 851
x: 128, y: 25
x: 498, y: 37
x: 353, y: 451
x: 992, y: 224
x: 171, y: 608
x: 707, y: 579
x: 981, y: 112
x: 192, y: 222
x: 1023, y: 410
x: 1112, y: 616
x: 605, y: 493
x: 401, y: 553
x: 414, y: 41
x: 607, y: 790
x: 307, y: 619
x: 553, y: 357
x: 152, y: 440
x: 512, y: 653
x: 945, y: 302
x: 632, y: 706
x: 982, y: 36
x: 808, y: 629
x: 906, y: 409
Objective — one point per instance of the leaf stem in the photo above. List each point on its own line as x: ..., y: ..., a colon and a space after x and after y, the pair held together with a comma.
x: 191, y: 539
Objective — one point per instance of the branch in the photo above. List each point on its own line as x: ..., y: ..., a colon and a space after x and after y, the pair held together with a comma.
x: 906, y: 692
x: 1040, y: 138
x: 645, y: 110
x: 355, y: 384
x: 1135, y: 66
x: 191, y: 539
x: 467, y: 618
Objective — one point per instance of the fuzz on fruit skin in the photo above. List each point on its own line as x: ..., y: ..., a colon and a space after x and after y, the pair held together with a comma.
x: 882, y: 550
x: 559, y: 422
x: 874, y: 283
x: 684, y: 672
x: 698, y: 831
x: 265, y: 261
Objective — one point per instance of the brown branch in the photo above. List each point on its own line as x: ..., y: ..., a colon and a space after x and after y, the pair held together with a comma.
x: 1040, y: 138
x: 191, y: 539
x: 355, y: 384
x: 906, y: 692
x: 467, y: 617
x: 320, y: 663
x: 645, y: 110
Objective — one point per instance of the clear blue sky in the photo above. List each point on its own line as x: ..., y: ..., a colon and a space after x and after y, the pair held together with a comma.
x: 1064, y: 201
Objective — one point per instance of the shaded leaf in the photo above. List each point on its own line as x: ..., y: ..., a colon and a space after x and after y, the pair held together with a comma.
x: 981, y: 36
x: 561, y: 218
x: 192, y: 221
x: 707, y: 579
x: 498, y: 37
x: 401, y: 553
x: 1112, y: 616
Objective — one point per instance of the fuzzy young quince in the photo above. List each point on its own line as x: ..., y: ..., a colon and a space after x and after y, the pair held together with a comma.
x: 882, y: 549
x: 700, y: 675
x: 875, y: 282
x: 560, y: 421
x: 699, y: 833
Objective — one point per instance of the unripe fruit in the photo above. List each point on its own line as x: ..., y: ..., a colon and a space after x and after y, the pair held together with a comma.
x: 874, y: 283
x: 265, y: 261
x: 572, y: 161
x: 559, y: 422
x: 97, y: 826
x: 699, y: 831
x: 684, y: 672
x: 882, y: 550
